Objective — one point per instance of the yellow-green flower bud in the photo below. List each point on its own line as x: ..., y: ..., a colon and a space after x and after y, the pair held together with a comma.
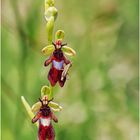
x: 51, y: 12
x: 49, y: 2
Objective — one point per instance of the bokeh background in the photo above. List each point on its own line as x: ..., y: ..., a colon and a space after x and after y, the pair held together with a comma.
x: 100, y: 100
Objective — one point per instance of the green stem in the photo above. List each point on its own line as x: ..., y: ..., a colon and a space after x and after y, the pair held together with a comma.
x: 51, y: 92
x: 50, y: 27
x: 50, y: 15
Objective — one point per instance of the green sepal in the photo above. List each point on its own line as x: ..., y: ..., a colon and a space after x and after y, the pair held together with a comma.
x: 60, y: 34
x: 28, y: 108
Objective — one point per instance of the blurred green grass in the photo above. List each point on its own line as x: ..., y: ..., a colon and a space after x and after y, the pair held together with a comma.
x: 100, y: 100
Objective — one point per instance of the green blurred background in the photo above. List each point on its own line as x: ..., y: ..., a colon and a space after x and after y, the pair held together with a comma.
x: 100, y: 100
